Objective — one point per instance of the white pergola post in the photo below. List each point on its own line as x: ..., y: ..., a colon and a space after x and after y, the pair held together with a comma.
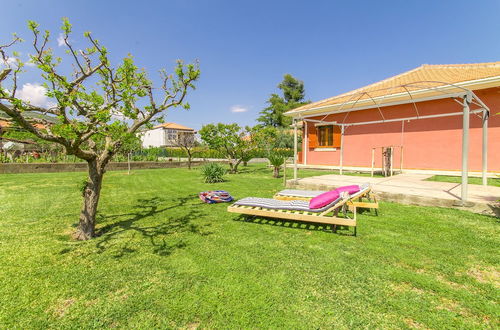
x: 485, y: 147
x: 295, y: 149
x: 465, y: 147
x: 341, y: 149
x: 306, y: 143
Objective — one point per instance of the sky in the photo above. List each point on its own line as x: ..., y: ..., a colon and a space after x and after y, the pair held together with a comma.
x: 245, y: 47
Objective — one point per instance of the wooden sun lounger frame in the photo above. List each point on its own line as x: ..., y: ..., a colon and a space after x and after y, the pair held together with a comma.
x: 357, y: 201
x: 320, y: 217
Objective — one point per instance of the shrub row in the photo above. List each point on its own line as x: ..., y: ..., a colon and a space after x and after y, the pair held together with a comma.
x: 149, y: 154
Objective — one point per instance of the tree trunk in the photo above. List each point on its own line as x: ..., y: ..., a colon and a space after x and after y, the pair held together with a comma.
x: 233, y: 167
x: 189, y: 161
x: 91, y: 194
x: 276, y: 172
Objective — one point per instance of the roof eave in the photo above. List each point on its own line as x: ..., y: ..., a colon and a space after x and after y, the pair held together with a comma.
x: 395, y: 99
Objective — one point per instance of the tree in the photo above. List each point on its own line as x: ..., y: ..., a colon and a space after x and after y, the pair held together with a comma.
x: 186, y: 142
x: 276, y: 143
x: 293, y: 89
x: 276, y: 158
x: 98, y: 106
x: 231, y: 139
x: 293, y: 97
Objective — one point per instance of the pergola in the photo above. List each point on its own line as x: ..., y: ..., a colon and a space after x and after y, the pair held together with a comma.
x: 412, y: 93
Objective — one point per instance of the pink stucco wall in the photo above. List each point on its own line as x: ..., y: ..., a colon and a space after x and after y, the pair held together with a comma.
x: 434, y: 144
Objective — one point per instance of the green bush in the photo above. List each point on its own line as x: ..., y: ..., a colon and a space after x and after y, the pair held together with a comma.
x: 213, y: 172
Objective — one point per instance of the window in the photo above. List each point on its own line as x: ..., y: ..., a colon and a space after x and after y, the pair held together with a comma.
x: 325, y: 136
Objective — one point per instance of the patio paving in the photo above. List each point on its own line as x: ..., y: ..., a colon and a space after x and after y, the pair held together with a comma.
x: 412, y: 189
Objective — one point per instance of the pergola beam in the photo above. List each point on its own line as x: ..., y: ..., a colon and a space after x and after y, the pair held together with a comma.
x: 410, y: 118
x: 332, y: 109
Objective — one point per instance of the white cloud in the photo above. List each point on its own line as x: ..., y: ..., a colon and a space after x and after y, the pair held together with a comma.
x: 29, y: 63
x: 11, y: 61
x: 238, y: 109
x: 60, y: 40
x: 115, y: 115
x: 35, y: 95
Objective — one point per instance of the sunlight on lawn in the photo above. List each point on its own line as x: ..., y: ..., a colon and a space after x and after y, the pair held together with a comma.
x: 165, y: 259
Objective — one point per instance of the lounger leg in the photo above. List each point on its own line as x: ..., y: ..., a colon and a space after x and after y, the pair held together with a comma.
x: 373, y: 199
x: 355, y: 231
x: 334, y: 230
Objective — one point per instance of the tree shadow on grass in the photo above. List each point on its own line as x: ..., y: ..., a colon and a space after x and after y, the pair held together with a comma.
x: 495, y: 209
x: 159, y: 235
x: 295, y: 224
x: 254, y: 170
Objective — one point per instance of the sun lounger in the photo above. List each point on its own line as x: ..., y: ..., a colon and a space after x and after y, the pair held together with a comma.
x: 362, y: 199
x: 299, y: 210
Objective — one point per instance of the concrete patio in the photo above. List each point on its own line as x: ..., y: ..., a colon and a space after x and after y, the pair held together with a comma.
x: 412, y: 189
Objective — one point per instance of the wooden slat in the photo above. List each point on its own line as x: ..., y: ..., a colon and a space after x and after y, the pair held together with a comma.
x: 291, y: 198
x: 366, y: 205
x: 295, y: 216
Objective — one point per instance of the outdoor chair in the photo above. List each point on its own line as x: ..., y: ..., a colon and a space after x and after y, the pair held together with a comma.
x: 299, y: 210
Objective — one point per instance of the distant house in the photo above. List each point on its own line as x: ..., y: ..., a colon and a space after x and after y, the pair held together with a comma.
x: 164, y: 135
x: 7, y: 124
x: 6, y: 120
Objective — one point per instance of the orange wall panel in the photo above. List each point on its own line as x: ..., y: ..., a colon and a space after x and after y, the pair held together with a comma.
x: 434, y: 143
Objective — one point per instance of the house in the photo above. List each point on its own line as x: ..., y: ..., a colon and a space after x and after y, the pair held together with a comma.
x: 164, y: 135
x: 434, y: 117
x: 7, y: 124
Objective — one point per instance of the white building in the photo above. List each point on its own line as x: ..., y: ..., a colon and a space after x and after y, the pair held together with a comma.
x: 164, y: 135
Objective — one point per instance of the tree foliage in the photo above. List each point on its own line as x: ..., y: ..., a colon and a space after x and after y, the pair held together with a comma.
x: 268, y: 137
x: 293, y: 96
x: 231, y: 139
x: 277, y: 144
x: 98, y: 106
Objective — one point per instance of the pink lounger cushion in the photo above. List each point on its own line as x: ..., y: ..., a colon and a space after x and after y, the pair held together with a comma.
x: 350, y: 189
x: 330, y: 196
x: 324, y: 199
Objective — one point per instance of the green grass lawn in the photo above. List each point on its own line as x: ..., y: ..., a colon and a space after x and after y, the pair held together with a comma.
x: 458, y: 179
x: 166, y: 260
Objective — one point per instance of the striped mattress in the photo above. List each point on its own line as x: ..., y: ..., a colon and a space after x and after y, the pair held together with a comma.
x: 300, y: 193
x: 275, y: 204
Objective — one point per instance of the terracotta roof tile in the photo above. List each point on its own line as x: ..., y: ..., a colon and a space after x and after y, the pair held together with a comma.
x: 174, y: 126
x: 421, y: 78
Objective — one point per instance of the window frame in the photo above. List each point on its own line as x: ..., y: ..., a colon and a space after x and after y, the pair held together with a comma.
x: 319, y: 130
